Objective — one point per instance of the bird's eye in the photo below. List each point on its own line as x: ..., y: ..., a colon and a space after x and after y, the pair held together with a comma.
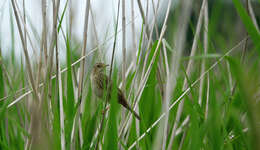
x: 98, y: 65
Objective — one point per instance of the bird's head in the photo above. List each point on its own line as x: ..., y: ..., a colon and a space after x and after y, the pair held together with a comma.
x: 99, y: 67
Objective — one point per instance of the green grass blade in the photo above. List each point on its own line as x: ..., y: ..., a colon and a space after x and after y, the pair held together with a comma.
x: 111, y: 137
x: 70, y: 110
x: 62, y: 16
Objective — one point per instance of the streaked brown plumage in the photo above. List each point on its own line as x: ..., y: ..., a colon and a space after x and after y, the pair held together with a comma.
x: 99, y: 81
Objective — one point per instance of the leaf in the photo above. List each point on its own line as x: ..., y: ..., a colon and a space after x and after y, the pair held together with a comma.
x: 70, y: 94
x: 62, y: 16
x: 111, y: 137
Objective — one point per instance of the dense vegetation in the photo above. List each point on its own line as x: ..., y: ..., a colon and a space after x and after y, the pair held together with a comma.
x: 193, y: 77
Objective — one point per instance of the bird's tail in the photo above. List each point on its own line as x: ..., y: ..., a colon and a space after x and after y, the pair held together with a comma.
x: 122, y: 101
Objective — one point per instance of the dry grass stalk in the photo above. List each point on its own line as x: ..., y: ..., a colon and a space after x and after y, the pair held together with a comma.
x: 123, y: 47
x: 252, y: 14
x: 32, y: 81
x: 144, y: 18
x: 133, y: 32
x: 62, y: 130
x: 206, y: 24
x: 99, y: 52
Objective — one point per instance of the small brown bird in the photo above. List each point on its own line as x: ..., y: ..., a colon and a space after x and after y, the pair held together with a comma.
x: 99, y: 81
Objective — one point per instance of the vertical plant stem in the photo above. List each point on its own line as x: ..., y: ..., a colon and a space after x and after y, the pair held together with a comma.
x: 44, y: 33
x: 143, y: 17
x: 252, y: 14
x: 207, y: 99
x: 206, y: 27
x: 46, y: 92
x: 206, y: 23
x: 71, y: 18
x: 24, y: 19
x: 166, y: 59
x: 123, y: 47
x: 28, y: 64
x: 155, y: 10
x: 84, y: 49
x: 62, y: 131
x: 27, y: 59
x: 96, y: 35
x: 133, y: 32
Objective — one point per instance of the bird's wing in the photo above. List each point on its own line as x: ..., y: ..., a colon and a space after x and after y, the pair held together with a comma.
x: 103, y: 81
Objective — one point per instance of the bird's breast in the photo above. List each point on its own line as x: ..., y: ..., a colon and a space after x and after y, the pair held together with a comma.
x: 98, y: 91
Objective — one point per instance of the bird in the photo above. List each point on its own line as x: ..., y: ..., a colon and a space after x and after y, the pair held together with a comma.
x: 99, y: 82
